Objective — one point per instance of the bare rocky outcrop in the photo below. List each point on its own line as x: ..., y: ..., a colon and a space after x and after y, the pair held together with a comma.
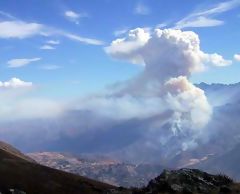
x: 187, y: 181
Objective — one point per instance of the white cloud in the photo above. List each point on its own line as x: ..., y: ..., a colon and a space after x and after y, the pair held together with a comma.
x: 218, y: 60
x: 19, y: 29
x: 47, y: 47
x: 53, y: 42
x: 73, y: 16
x: 50, y: 67
x: 205, y: 18
x: 141, y: 9
x: 16, y: 63
x: 15, y: 83
x: 237, y: 57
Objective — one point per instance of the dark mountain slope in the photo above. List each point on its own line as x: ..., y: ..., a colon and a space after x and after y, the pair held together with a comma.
x: 18, y: 172
x: 11, y: 150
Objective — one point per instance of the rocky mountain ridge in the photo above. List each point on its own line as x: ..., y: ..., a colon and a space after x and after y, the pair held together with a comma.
x: 99, y: 168
x: 189, y: 181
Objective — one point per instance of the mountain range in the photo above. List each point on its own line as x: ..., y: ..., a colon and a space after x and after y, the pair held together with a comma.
x: 22, y: 175
x: 100, y: 168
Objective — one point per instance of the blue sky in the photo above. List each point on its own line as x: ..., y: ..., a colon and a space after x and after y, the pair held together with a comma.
x: 62, y: 42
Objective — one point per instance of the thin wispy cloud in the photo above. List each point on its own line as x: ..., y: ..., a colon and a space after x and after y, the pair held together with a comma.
x: 142, y: 9
x: 161, y: 25
x: 200, y: 21
x: 220, y: 8
x: 7, y: 15
x: 17, y: 63
x: 15, y: 28
x: 120, y: 32
x: 206, y: 17
x: 54, y: 42
x: 50, y: 45
x: 47, y: 47
x: 82, y: 39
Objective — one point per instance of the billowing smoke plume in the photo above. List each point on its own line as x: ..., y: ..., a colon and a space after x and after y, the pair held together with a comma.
x: 162, y: 96
x: 165, y: 53
x: 188, y: 102
x: 157, y: 113
x: 169, y: 58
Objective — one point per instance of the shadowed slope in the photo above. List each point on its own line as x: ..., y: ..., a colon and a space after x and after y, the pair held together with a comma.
x: 20, y: 173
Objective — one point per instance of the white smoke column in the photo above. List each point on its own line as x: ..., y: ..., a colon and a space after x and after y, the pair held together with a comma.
x: 169, y: 58
x: 188, y: 101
